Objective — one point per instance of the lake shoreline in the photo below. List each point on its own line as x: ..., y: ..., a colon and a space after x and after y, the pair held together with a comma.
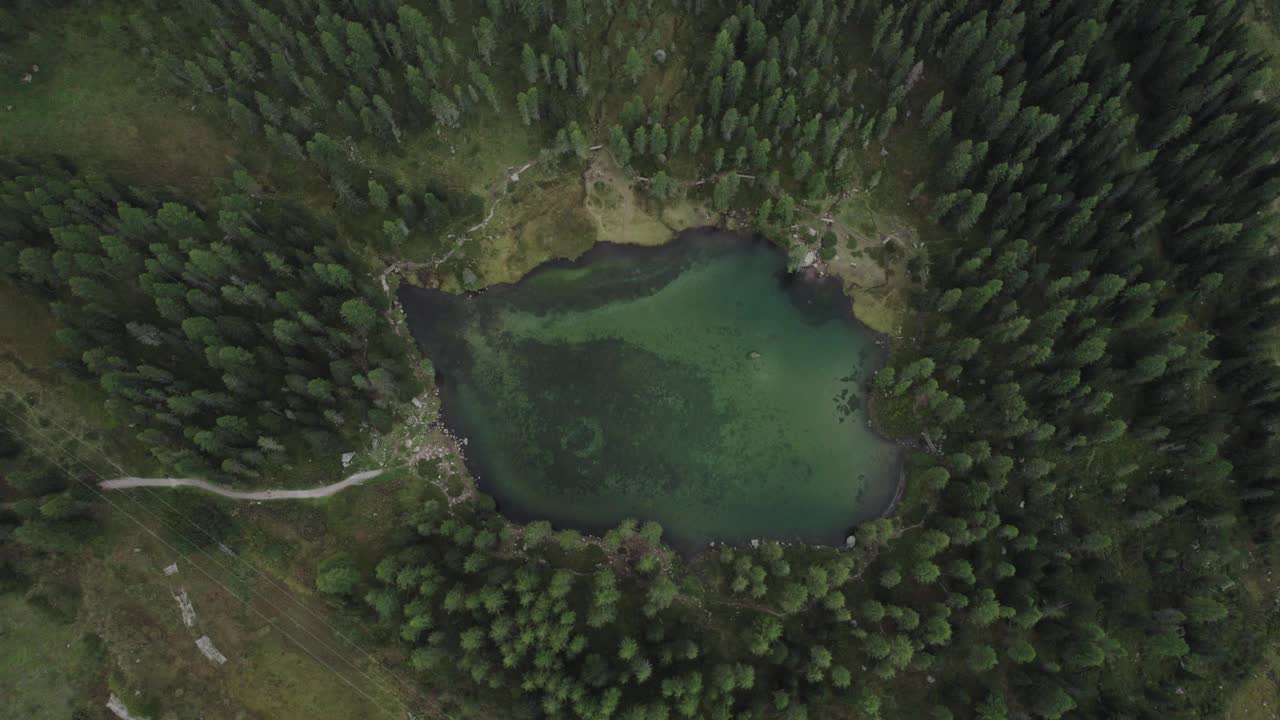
x: 879, y: 349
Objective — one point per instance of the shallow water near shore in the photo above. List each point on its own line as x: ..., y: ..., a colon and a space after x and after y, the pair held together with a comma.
x: 697, y: 384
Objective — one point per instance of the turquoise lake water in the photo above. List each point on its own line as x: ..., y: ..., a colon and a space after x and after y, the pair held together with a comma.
x: 696, y: 384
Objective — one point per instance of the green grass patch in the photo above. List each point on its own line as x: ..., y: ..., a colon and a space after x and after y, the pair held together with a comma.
x: 478, y: 156
x: 1258, y: 698
x: 538, y: 220
x: 45, y: 666
x: 94, y: 103
x: 278, y: 681
x: 27, y: 328
x: 619, y: 211
x: 880, y: 312
x: 368, y: 521
x: 149, y: 658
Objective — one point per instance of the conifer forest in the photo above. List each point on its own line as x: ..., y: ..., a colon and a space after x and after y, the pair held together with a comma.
x: 1053, y: 224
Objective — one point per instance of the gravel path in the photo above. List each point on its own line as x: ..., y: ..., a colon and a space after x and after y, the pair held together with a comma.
x: 325, y: 491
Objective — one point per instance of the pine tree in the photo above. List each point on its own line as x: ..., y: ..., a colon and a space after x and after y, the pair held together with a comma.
x: 640, y: 140
x: 728, y: 124
x: 378, y: 197
x: 657, y: 140
x: 633, y: 68
x: 529, y: 64
x: 760, y: 154
x: 695, y: 137
x: 787, y: 113
x: 619, y: 146
x: 359, y: 315
x: 678, y: 133
x: 486, y: 39
x: 446, y: 112
x: 724, y: 192
x: 940, y: 130
x: 802, y: 165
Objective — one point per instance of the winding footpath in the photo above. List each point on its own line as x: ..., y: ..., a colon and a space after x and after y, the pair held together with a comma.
x: 319, y: 492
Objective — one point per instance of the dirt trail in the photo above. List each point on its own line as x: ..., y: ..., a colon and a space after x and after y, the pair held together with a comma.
x: 325, y: 491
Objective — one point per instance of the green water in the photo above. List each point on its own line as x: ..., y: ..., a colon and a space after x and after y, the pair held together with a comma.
x: 624, y: 385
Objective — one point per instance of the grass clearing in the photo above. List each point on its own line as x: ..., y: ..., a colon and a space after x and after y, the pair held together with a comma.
x: 873, y: 253
x: 367, y: 523
x: 881, y: 312
x: 279, y: 646
x: 41, y: 672
x: 467, y: 157
x: 278, y: 681
x: 615, y: 208
x: 93, y: 103
x: 282, y: 651
x: 1258, y: 698
x: 622, y: 215
x: 27, y: 328
x: 62, y: 415
x: 541, y: 217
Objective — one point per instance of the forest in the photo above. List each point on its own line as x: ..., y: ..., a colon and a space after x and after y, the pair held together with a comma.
x: 1086, y: 372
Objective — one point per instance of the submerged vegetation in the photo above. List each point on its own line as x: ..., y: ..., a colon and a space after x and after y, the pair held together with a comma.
x: 1062, y: 211
x: 693, y: 384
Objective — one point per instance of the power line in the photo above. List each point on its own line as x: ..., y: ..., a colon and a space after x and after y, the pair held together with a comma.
x: 173, y: 276
x: 164, y: 273
x: 61, y: 446
x: 229, y: 591
x: 408, y: 686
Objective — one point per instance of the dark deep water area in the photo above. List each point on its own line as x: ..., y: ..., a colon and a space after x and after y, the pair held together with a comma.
x: 697, y: 384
